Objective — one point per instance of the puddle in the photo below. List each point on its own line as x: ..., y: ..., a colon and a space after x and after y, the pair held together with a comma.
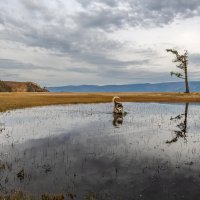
x: 153, y: 152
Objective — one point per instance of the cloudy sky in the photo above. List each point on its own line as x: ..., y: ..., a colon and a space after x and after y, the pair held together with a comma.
x: 72, y: 42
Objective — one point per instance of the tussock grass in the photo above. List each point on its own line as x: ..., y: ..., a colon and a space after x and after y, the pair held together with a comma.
x: 9, y: 101
x: 22, y: 196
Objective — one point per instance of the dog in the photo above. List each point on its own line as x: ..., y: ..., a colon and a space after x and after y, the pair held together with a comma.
x: 118, y: 107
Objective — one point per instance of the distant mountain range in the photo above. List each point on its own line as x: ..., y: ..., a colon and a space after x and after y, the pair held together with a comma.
x: 146, y: 87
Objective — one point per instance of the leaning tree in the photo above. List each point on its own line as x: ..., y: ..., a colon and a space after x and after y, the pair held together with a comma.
x: 182, y: 61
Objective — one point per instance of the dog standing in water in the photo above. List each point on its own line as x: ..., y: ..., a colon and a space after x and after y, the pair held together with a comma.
x: 118, y: 107
x: 118, y: 113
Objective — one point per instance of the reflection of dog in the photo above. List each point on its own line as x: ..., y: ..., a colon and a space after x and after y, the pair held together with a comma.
x: 117, y: 119
x: 2, y: 127
x: 118, y: 107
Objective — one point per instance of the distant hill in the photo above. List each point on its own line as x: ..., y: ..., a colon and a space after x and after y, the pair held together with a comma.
x: 146, y: 87
x: 11, y: 86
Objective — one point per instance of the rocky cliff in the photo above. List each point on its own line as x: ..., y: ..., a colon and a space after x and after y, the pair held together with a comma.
x: 11, y: 86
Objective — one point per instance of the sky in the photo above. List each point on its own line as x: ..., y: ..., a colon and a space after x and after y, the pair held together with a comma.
x: 74, y: 42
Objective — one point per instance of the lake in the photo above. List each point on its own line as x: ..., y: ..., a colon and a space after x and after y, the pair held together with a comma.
x: 84, y: 152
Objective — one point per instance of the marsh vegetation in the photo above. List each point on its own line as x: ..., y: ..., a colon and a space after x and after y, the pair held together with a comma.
x: 10, y: 101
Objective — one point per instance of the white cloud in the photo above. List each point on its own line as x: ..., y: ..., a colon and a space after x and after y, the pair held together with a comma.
x: 89, y: 42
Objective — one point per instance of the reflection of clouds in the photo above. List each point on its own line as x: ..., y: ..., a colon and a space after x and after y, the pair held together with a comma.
x: 86, y: 165
x: 94, y: 156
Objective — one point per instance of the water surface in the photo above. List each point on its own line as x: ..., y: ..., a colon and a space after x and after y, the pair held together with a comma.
x: 151, y: 153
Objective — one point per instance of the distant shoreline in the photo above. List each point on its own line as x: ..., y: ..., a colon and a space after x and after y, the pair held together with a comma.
x: 14, y: 100
x: 139, y: 87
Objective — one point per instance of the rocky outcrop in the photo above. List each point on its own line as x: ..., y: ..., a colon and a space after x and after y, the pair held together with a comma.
x: 11, y: 86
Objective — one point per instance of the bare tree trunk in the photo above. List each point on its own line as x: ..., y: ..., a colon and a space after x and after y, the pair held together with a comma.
x: 186, y: 80
x: 185, y: 120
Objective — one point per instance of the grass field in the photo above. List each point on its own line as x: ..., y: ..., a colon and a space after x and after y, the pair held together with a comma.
x: 9, y: 101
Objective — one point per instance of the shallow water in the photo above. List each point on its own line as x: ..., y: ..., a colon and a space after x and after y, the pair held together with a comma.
x: 81, y: 150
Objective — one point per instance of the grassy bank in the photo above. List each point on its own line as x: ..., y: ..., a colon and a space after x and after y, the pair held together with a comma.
x: 22, y: 196
x: 9, y: 101
x: 19, y: 195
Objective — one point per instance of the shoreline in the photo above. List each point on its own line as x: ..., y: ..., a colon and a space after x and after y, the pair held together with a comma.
x: 17, y: 100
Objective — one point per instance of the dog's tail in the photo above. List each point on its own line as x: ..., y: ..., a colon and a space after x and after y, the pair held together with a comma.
x: 114, y: 99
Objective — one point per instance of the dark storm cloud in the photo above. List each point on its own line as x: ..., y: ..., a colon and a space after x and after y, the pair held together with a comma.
x: 116, y: 14
x: 47, y: 28
x: 79, y: 44
x: 104, y: 19
x: 33, y: 5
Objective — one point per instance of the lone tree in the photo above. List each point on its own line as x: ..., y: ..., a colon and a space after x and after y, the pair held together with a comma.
x: 182, y: 61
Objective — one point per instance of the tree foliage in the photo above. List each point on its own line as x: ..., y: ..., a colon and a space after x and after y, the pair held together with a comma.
x: 182, y: 63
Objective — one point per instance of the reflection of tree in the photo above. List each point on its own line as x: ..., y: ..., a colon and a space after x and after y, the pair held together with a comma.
x: 117, y: 119
x: 181, y: 133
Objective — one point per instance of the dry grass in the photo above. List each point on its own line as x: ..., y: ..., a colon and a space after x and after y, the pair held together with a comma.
x: 22, y: 196
x: 9, y: 101
x: 19, y: 195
